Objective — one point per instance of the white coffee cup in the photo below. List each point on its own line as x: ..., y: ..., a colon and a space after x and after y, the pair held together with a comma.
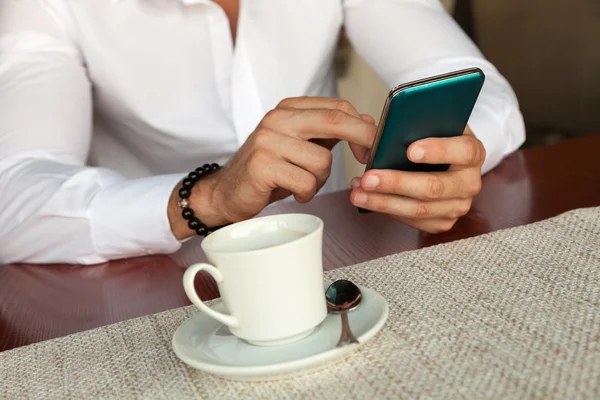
x: 269, y: 271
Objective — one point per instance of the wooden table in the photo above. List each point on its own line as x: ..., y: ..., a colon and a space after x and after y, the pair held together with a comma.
x: 40, y: 302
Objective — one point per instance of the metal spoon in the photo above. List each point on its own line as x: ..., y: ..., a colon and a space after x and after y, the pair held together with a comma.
x: 343, y: 296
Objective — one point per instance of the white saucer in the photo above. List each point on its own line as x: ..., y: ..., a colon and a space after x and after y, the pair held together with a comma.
x: 205, y: 344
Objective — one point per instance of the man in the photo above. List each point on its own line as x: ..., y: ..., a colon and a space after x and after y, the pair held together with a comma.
x: 105, y: 106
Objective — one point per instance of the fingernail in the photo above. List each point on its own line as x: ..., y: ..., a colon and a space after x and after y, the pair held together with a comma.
x: 417, y: 153
x: 372, y: 182
x: 360, y: 199
x: 355, y: 183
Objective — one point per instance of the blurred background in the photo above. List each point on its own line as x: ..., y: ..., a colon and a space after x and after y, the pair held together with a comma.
x: 549, y: 50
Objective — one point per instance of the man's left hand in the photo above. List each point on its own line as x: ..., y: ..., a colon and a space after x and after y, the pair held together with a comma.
x: 429, y: 201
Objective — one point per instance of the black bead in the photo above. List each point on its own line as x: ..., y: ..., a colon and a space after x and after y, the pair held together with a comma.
x: 202, y: 231
x: 187, y: 213
x: 194, y: 223
x: 184, y: 193
x: 199, y: 171
x: 194, y: 176
x: 215, y: 166
x: 187, y: 183
x: 207, y: 168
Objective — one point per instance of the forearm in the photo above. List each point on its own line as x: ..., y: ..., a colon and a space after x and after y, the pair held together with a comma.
x: 51, y: 211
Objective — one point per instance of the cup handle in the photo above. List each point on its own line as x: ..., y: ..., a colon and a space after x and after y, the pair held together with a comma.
x: 190, y: 290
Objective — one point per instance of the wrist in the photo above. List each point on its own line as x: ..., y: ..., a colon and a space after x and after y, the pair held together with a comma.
x: 201, y: 202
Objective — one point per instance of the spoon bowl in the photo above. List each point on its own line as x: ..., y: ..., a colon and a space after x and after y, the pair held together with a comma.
x: 343, y: 296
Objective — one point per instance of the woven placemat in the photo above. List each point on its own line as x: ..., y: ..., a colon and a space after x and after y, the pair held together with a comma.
x: 511, y: 314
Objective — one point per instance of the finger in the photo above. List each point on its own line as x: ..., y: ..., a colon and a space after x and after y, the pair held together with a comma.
x: 333, y: 124
x: 309, y: 156
x: 362, y: 153
x: 311, y: 103
x: 320, y: 124
x: 410, y: 208
x: 434, y: 226
x: 329, y: 144
x: 367, y: 118
x: 468, y: 131
x: 465, y: 150
x: 463, y: 184
x: 301, y: 183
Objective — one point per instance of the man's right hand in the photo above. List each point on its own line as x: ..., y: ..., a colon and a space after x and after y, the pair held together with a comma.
x: 289, y: 153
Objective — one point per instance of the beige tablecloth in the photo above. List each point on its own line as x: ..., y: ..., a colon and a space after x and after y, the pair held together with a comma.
x: 512, y: 314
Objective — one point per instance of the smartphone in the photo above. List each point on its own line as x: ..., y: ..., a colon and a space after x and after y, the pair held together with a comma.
x: 439, y: 106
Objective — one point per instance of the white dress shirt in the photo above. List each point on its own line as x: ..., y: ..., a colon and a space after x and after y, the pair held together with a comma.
x: 105, y: 105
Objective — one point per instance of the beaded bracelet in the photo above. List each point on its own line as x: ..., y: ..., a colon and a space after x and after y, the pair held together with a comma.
x: 185, y: 192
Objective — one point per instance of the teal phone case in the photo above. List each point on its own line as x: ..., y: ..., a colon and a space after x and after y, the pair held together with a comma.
x: 435, y: 107
x: 439, y: 106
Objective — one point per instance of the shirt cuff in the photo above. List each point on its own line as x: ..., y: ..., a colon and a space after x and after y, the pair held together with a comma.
x: 130, y: 218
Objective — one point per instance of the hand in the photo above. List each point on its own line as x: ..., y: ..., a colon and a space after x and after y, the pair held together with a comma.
x: 289, y: 153
x: 429, y: 201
